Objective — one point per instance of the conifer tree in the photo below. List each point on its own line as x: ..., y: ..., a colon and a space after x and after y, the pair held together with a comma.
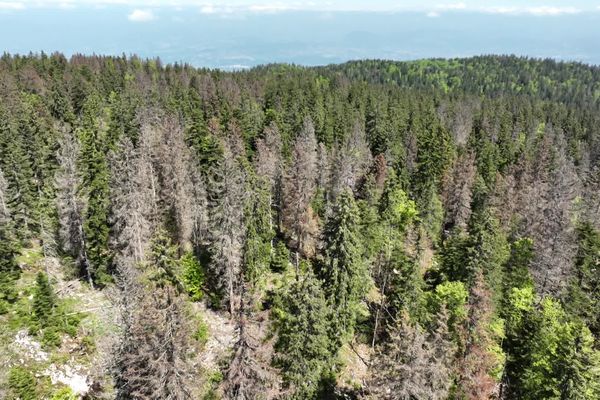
x: 18, y: 172
x: 345, y: 274
x: 269, y: 165
x: 44, y: 300
x: 481, y: 361
x: 298, y: 190
x: 435, y: 148
x: 412, y: 364
x: 351, y: 161
x: 303, y: 337
x: 71, y: 204
x: 9, y: 270
x: 280, y: 259
x: 396, y: 213
x: 250, y: 374
x: 94, y: 180
x: 151, y: 359
x: 259, y: 231
x: 177, y: 187
x: 583, y: 293
x: 133, y: 205
x: 227, y: 198
x: 563, y: 362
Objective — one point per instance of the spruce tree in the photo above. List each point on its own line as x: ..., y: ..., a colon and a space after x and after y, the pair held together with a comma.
x: 344, y: 271
x: 9, y: 270
x: 303, y: 337
x: 18, y: 172
x: 395, y: 273
x: 151, y: 358
x: 259, y: 232
x: 583, y: 293
x: 562, y: 361
x: 412, y: 364
x: 44, y: 300
x: 95, y: 178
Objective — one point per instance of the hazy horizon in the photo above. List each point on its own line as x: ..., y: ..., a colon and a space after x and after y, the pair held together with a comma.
x: 251, y: 34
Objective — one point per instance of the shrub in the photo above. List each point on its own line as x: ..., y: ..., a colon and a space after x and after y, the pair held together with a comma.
x: 201, y: 334
x: 22, y: 384
x: 193, y: 276
x: 64, y: 394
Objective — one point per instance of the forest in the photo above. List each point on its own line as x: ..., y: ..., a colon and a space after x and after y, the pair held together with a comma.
x: 371, y: 230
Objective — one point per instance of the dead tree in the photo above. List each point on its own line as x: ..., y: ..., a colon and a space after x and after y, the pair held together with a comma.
x: 71, y: 204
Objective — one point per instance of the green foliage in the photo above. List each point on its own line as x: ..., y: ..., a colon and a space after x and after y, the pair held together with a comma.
x: 496, y: 330
x: 22, y: 384
x: 517, y: 267
x: 95, y: 174
x: 563, y: 362
x: 344, y: 271
x: 583, y: 294
x: 435, y: 148
x: 21, y: 192
x: 489, y: 250
x: 64, y: 394
x: 319, y: 203
x: 193, y: 276
x: 9, y: 270
x: 395, y: 208
x: 431, y: 211
x: 485, y: 249
x: 211, y: 388
x: 88, y: 344
x: 44, y: 300
x: 507, y: 112
x: 259, y: 233
x: 303, y: 336
x: 450, y: 296
x: 396, y: 214
x: 406, y: 285
x: 201, y: 333
x: 164, y: 262
x: 549, y: 355
x: 280, y: 260
x: 453, y: 258
x: 370, y: 229
x: 50, y: 317
x: 207, y: 148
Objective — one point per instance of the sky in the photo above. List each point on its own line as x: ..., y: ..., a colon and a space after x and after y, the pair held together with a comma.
x: 237, y: 34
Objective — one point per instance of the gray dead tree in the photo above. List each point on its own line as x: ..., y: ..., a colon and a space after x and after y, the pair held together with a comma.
x: 299, y: 186
x: 70, y: 203
x: 227, y: 193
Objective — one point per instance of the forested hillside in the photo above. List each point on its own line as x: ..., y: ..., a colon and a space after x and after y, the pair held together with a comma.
x: 371, y: 230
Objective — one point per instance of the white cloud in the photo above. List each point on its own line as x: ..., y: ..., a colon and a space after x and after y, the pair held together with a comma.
x: 438, y: 9
x: 538, y: 11
x: 270, y: 8
x: 453, y: 6
x: 141, y: 16
x: 66, y: 5
x: 553, y: 10
x: 220, y: 10
x: 11, y: 5
x: 243, y: 7
x: 257, y: 8
x: 208, y: 9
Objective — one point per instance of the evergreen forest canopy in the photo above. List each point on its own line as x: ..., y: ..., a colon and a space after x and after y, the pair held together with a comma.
x: 370, y: 230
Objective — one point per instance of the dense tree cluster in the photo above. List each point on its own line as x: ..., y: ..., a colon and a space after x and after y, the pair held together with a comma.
x: 439, y: 219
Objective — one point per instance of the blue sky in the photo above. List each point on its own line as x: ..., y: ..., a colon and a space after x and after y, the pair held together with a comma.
x: 241, y: 33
